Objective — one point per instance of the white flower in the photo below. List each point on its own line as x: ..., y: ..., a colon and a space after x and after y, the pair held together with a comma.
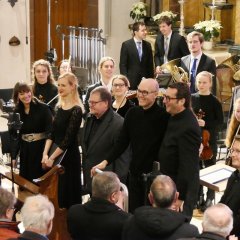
x: 138, y: 11
x: 209, y: 28
x: 169, y: 14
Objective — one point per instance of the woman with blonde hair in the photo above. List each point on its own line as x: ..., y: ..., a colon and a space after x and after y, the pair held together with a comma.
x: 234, y: 124
x: 44, y: 87
x: 120, y: 86
x: 66, y: 125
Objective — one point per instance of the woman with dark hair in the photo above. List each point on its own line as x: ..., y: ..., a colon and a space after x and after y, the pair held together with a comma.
x: 120, y: 86
x: 44, y: 87
x: 37, y: 123
x: 66, y: 125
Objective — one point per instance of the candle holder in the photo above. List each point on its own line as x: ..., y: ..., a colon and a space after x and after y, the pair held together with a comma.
x: 213, y: 8
x: 181, y: 29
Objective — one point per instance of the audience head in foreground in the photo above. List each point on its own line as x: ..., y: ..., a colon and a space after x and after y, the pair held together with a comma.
x: 100, y: 218
x: 159, y: 221
x: 8, y: 228
x: 37, y: 216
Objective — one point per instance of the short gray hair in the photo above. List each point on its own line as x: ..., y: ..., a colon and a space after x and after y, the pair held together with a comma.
x: 218, y: 219
x: 163, y: 190
x: 104, y: 184
x: 37, y: 212
x: 7, y: 201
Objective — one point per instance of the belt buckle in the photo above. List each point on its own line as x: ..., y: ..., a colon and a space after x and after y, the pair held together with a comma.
x: 30, y: 137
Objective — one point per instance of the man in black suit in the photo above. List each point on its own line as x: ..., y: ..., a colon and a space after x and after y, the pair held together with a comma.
x: 201, y: 60
x: 231, y: 196
x: 169, y: 45
x: 136, y: 60
x: 179, y: 152
x: 100, y: 218
x: 100, y: 132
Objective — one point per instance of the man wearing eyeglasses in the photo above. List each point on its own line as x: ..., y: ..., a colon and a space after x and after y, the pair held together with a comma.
x: 100, y: 132
x: 231, y: 196
x: 144, y: 127
x: 179, y: 151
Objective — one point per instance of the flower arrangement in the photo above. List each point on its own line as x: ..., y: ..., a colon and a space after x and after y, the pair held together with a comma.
x: 138, y: 11
x: 169, y: 14
x: 209, y: 28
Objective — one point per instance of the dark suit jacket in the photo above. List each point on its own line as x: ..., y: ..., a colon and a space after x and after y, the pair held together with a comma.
x: 177, y: 48
x: 97, y: 219
x: 231, y: 198
x: 206, y: 64
x: 235, y: 96
x: 179, y: 158
x: 130, y: 64
x: 27, y: 235
x: 90, y: 88
x: 96, y: 149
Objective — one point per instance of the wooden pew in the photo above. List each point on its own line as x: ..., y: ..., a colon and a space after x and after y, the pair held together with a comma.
x: 46, y: 185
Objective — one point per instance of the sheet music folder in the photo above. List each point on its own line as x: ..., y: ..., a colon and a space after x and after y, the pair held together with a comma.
x: 58, y: 159
x: 216, y: 176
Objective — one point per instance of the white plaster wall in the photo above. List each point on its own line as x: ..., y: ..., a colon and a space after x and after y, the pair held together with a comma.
x: 119, y: 20
x: 14, y: 60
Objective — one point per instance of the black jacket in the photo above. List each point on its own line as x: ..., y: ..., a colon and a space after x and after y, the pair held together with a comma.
x: 206, y: 236
x: 97, y: 219
x: 150, y: 223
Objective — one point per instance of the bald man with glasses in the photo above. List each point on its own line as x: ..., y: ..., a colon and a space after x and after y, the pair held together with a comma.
x: 143, y: 128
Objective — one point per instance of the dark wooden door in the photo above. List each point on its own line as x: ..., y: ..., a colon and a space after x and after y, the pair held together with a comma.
x: 63, y: 12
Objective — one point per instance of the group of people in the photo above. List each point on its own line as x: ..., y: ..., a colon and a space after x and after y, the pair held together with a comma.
x: 126, y: 136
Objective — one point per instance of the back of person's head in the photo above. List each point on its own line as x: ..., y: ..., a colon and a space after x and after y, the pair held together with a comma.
x: 37, y: 214
x: 163, y: 192
x: 104, y: 94
x: 218, y: 219
x: 7, y: 202
x: 105, y: 184
x: 183, y: 91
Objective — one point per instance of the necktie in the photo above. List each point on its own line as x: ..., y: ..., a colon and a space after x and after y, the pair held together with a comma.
x: 165, y: 49
x: 139, y: 48
x: 193, y: 76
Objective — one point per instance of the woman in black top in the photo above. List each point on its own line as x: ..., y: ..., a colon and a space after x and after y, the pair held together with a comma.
x: 120, y: 86
x: 44, y: 87
x: 206, y: 102
x: 37, y: 124
x: 66, y: 125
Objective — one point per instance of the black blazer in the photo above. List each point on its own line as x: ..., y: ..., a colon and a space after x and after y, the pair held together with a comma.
x: 96, y: 149
x: 206, y: 64
x: 177, y: 48
x: 130, y: 64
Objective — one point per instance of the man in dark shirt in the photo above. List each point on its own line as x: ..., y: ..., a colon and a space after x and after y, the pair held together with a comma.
x: 231, y: 196
x: 100, y: 133
x: 144, y: 127
x: 100, y: 218
x: 159, y: 220
x: 179, y: 152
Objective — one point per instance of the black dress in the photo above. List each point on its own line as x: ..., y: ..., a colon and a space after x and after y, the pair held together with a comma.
x: 123, y: 110
x: 65, y: 129
x: 45, y: 93
x: 38, y: 120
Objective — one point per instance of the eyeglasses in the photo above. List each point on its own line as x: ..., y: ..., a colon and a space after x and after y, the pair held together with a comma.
x: 120, y: 85
x: 168, y: 99
x: 232, y: 150
x: 144, y: 92
x: 93, y: 103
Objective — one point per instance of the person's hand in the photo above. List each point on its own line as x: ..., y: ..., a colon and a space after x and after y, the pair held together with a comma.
x: 201, y: 122
x: 49, y: 162
x: 232, y: 237
x: 158, y: 70
x: 44, y: 159
x: 201, y: 149
x: 100, y: 166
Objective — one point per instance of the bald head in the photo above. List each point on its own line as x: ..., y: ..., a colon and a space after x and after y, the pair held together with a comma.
x: 147, y: 92
x: 163, y: 191
x: 218, y: 219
